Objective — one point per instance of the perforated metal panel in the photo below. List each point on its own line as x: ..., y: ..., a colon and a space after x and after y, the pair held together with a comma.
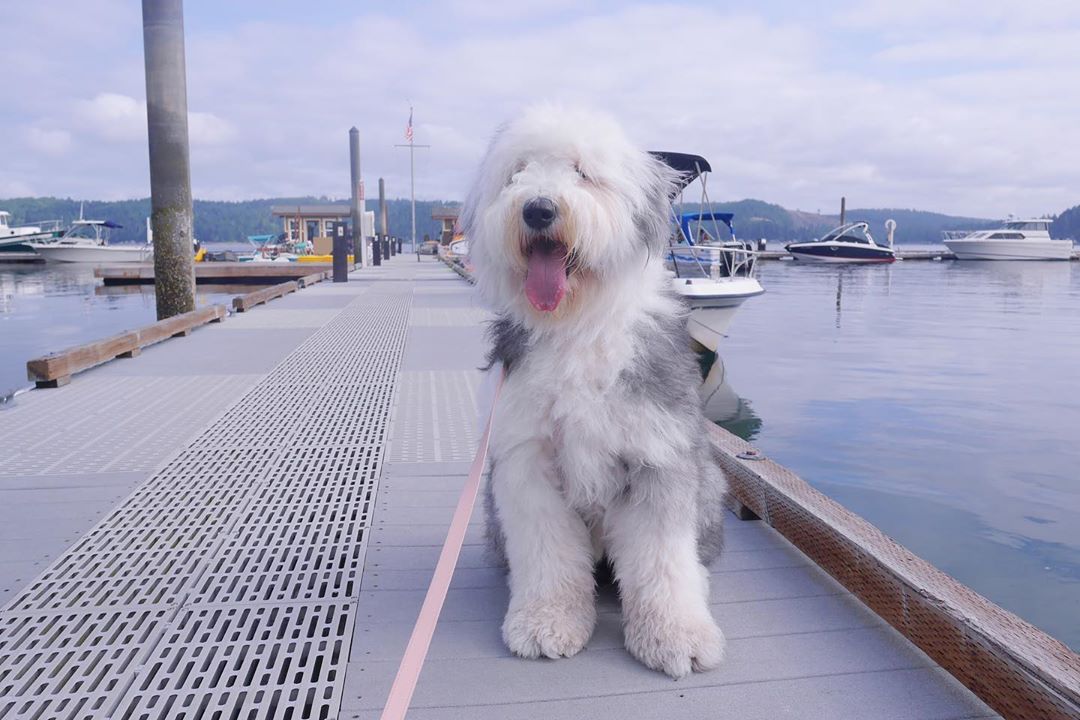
x: 437, y: 417
x: 179, y: 406
x: 225, y: 585
x: 252, y: 662
x: 448, y: 317
x: 71, y: 664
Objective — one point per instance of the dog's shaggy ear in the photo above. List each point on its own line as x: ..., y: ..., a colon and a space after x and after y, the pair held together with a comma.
x: 654, y: 221
x: 477, y: 190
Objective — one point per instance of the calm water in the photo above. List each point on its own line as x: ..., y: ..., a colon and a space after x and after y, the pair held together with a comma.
x: 941, y: 401
x: 45, y: 308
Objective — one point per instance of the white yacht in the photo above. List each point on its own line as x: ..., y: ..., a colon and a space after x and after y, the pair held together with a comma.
x: 22, y: 234
x: 1014, y: 240
x: 87, y: 241
x: 714, y: 276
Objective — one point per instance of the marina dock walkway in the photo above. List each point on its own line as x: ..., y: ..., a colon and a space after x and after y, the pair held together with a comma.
x: 243, y: 523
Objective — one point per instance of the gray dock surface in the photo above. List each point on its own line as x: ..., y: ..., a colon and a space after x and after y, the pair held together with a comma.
x: 242, y: 523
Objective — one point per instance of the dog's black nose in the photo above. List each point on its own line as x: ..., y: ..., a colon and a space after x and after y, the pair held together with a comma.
x: 539, y: 213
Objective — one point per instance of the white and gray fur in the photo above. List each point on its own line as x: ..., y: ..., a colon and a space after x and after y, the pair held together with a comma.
x: 598, y: 445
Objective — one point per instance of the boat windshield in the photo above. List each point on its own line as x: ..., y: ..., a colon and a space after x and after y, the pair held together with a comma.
x: 87, y: 231
x: 1029, y: 226
x: 854, y: 233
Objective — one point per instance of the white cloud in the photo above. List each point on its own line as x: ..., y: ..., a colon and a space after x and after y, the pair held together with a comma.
x: 48, y: 142
x: 112, y: 117
x: 208, y: 129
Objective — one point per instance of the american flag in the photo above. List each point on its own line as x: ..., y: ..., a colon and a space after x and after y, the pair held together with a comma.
x: 408, y: 128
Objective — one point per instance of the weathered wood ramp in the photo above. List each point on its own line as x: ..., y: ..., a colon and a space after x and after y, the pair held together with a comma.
x: 242, y: 525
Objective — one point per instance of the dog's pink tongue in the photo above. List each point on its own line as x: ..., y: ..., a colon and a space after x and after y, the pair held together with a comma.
x: 545, y: 280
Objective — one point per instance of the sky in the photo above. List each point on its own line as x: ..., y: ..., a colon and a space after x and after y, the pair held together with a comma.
x: 967, y: 107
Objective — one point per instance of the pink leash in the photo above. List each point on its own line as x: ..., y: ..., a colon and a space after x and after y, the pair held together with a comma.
x: 412, y: 662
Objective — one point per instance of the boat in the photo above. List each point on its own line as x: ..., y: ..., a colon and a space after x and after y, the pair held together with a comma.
x: 713, y: 276
x: 1014, y: 240
x: 274, y: 248
x: 24, y: 234
x: 849, y: 243
x: 87, y: 241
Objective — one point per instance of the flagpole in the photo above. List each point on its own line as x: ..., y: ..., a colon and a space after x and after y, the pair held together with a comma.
x: 412, y: 190
x: 412, y: 174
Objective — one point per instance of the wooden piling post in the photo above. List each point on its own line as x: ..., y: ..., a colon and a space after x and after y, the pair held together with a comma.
x: 170, y: 164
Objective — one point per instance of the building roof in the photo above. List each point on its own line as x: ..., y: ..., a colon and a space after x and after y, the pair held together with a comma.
x: 340, y: 210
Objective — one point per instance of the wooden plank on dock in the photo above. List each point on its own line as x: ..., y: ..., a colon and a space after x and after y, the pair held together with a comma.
x: 243, y: 303
x: 309, y: 280
x: 215, y: 272
x: 1014, y: 667
x: 56, y: 369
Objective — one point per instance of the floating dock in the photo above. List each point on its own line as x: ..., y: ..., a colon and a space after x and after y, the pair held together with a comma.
x: 234, y: 273
x: 242, y: 523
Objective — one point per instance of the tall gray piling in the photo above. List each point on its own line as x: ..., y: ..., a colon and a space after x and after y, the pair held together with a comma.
x: 384, y: 228
x: 843, y: 209
x: 359, y: 243
x: 170, y: 165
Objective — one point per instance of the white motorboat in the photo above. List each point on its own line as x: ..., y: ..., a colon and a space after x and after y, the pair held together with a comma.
x: 1014, y: 240
x: 87, y: 241
x: 715, y: 277
x: 24, y: 234
x: 849, y: 243
x: 713, y: 303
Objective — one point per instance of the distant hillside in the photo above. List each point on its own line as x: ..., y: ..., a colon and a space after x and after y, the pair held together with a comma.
x: 1067, y: 224
x: 215, y: 221
x: 756, y: 219
x: 233, y: 221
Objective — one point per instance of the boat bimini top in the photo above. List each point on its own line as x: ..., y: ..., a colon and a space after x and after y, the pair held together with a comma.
x: 700, y: 217
x: 690, y: 167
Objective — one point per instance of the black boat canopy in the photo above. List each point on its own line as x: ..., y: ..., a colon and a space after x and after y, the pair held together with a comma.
x: 688, y: 166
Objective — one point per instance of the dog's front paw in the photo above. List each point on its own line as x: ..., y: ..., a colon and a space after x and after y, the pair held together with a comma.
x: 675, y: 645
x: 551, y: 630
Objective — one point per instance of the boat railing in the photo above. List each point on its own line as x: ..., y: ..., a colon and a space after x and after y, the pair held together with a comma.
x: 955, y: 234
x: 735, y: 259
x: 44, y: 226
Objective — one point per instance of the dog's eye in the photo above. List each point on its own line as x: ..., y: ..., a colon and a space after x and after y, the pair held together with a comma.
x: 580, y: 172
x: 514, y: 172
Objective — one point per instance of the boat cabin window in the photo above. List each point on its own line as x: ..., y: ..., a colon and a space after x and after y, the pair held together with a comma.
x: 1007, y: 236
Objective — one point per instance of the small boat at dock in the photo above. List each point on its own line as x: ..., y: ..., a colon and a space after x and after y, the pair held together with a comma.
x: 25, y: 234
x: 87, y: 241
x: 849, y: 243
x: 274, y: 248
x: 715, y: 276
x: 1014, y: 240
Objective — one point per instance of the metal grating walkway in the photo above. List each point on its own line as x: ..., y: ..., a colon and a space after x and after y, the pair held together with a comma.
x: 225, y: 585
x: 280, y: 527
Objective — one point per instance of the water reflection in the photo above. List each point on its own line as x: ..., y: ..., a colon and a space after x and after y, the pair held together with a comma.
x: 722, y: 404
x: 938, y: 400
x: 49, y: 307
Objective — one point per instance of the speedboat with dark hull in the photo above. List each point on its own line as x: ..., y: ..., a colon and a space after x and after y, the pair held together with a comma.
x: 849, y: 243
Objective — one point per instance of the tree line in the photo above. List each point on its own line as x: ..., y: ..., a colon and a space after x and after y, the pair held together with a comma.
x: 220, y: 221
x: 215, y: 221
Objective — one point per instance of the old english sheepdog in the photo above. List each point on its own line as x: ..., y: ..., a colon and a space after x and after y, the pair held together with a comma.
x: 598, y: 448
